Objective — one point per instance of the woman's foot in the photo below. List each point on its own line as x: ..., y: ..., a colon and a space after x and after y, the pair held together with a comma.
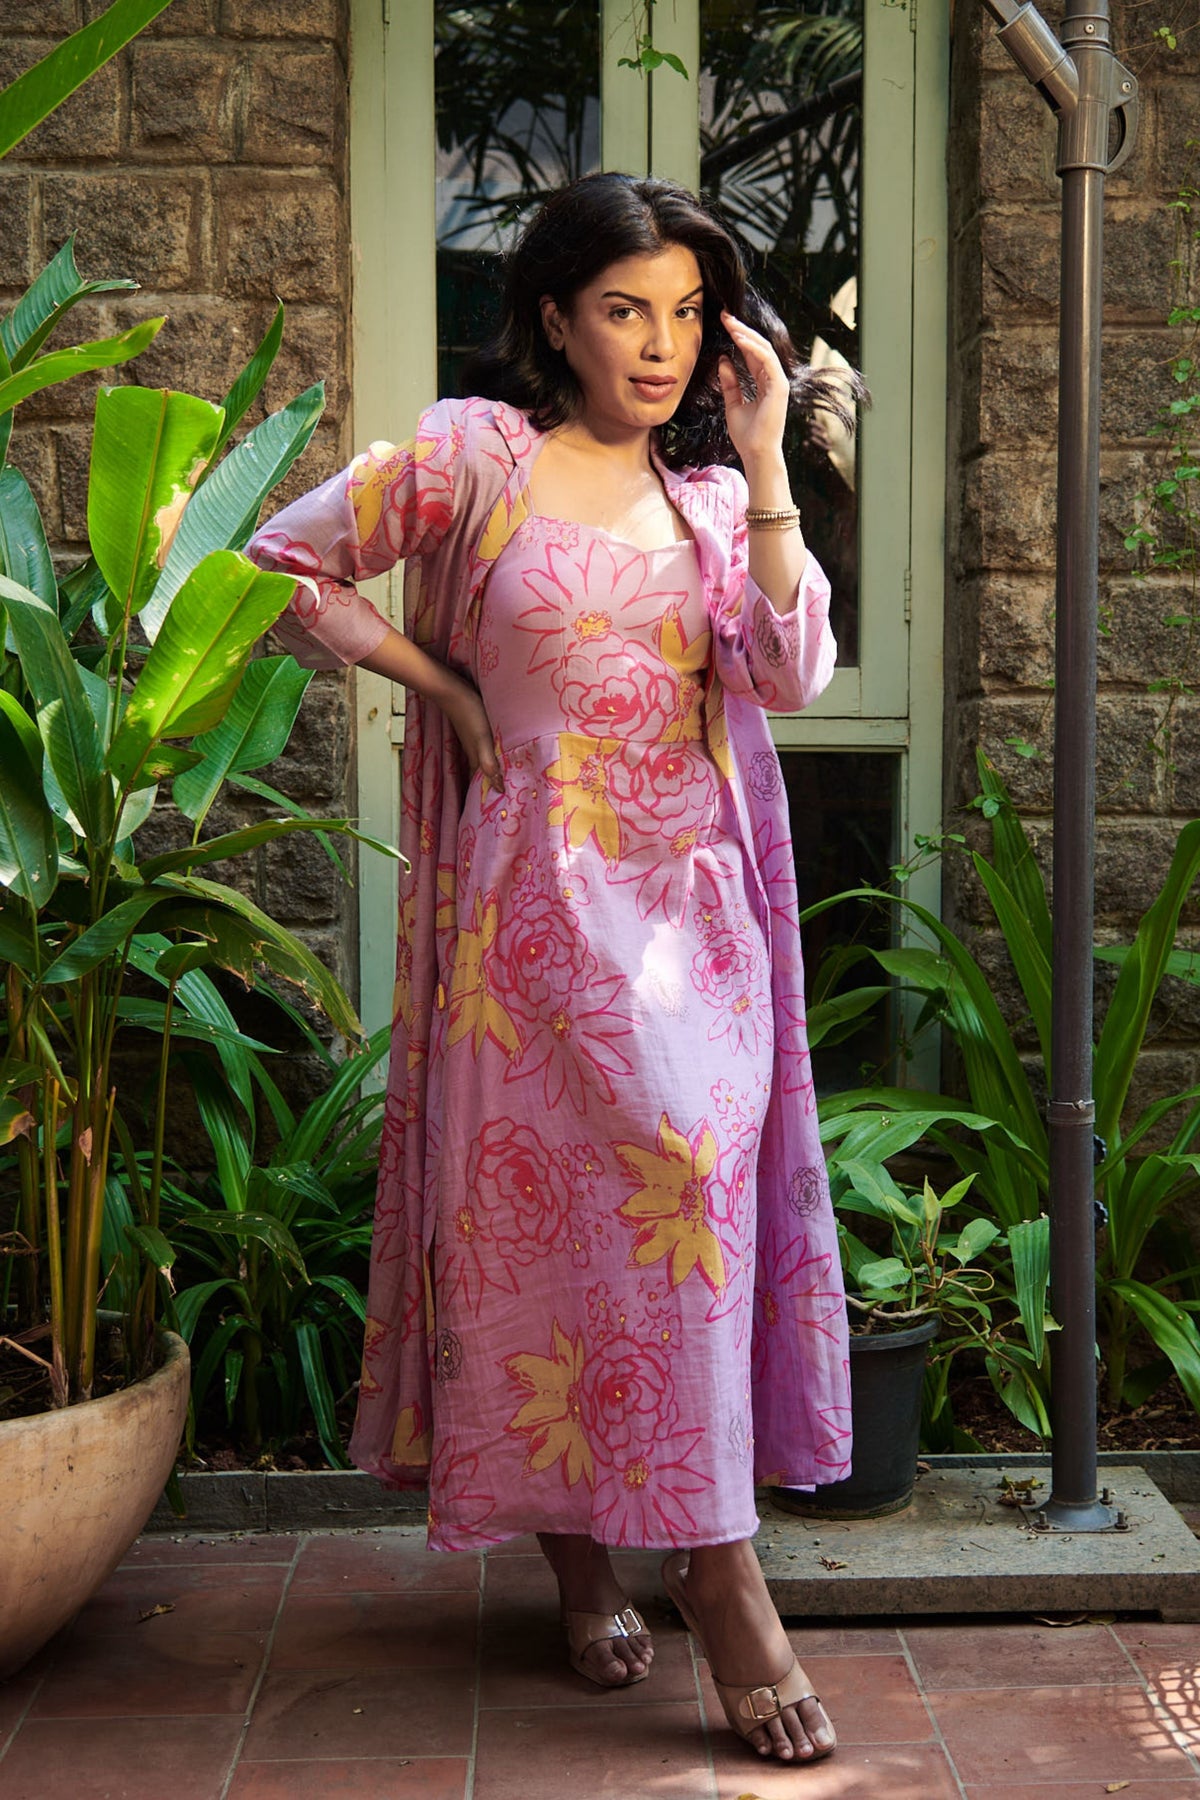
x: 747, y: 1647
x: 587, y: 1585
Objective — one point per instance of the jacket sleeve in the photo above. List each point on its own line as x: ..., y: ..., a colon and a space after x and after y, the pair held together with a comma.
x: 394, y: 501
x: 779, y: 660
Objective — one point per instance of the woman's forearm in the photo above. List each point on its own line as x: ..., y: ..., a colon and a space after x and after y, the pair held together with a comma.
x: 777, y: 558
x: 399, y: 659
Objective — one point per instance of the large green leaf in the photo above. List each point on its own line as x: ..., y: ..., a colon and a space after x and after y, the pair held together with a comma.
x: 65, y: 718
x: 242, y: 935
x: 79, y: 592
x: 1029, y: 1247
x: 28, y: 846
x: 56, y: 290
x: 199, y: 997
x: 109, y: 934
x: 254, y: 731
x: 320, y: 1394
x: 24, y: 553
x: 1141, y: 975
x: 249, y: 383
x: 148, y: 450
x: 1173, y: 1330
x: 1031, y: 963
x: 223, y: 512
x: 1015, y: 862
x: 80, y: 359
x: 192, y: 671
x: 236, y: 843
x: 34, y: 95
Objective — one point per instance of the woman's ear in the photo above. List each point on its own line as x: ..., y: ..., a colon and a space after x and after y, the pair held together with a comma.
x: 551, y: 322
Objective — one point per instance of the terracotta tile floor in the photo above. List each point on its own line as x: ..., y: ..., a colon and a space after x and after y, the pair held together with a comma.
x: 359, y: 1667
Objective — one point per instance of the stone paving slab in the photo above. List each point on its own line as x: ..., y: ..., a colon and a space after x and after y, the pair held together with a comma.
x: 957, y: 1549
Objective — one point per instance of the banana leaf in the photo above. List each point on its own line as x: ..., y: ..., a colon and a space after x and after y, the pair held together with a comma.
x: 223, y: 512
x: 253, y: 732
x: 148, y: 448
x: 34, y: 95
x: 1173, y: 1330
x: 65, y: 718
x: 24, y: 553
x: 192, y: 672
x: 79, y: 359
x: 46, y: 303
x: 28, y: 845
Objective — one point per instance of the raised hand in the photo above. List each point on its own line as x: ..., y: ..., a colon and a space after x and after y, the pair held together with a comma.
x: 755, y: 425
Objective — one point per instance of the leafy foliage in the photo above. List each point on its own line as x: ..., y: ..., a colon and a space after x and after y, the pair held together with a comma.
x: 998, y: 1136
x: 272, y: 1255
x: 90, y: 725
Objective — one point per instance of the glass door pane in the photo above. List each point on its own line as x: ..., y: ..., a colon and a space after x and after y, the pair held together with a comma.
x: 780, y: 154
x: 517, y: 95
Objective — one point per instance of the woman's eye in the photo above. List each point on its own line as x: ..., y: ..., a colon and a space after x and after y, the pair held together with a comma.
x: 689, y: 312
x: 621, y: 312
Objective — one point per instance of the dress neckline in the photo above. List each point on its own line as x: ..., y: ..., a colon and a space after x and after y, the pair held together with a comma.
x: 683, y: 543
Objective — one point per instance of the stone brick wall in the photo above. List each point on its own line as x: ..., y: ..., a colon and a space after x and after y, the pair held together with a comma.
x: 208, y: 162
x: 1003, y: 409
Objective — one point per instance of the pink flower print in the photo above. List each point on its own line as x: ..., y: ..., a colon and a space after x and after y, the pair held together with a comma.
x: 730, y: 975
x: 466, y: 859
x: 764, y: 777
x: 795, y: 1290
x: 459, y: 1506
x: 542, y: 950
x: 833, y: 1452
x: 647, y: 1495
x: 518, y: 1190
x: 663, y: 787
x: 778, y: 639
x: 589, y: 625
x: 575, y: 1047
x: 627, y: 697
x: 615, y: 579
x: 489, y: 657
x: 626, y: 1396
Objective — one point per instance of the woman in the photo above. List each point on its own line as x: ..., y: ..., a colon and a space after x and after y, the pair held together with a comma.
x: 605, y: 1286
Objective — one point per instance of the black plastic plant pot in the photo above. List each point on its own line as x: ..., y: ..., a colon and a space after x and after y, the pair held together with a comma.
x: 886, y: 1374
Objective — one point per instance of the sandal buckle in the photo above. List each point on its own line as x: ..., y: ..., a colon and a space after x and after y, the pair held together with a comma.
x: 751, y: 1704
x: 628, y: 1621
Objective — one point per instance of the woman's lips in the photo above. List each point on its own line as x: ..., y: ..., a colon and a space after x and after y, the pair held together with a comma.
x: 653, y: 387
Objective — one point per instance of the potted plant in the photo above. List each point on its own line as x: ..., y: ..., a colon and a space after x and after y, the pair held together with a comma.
x: 918, y: 1276
x: 94, y: 722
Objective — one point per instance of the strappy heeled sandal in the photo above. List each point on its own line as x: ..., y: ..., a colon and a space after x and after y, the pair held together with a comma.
x: 746, y: 1708
x: 584, y: 1629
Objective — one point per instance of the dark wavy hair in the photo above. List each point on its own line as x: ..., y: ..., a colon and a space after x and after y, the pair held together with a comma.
x: 577, y: 234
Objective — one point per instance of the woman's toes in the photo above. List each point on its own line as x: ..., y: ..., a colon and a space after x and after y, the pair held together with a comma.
x: 781, y: 1743
x: 816, y: 1724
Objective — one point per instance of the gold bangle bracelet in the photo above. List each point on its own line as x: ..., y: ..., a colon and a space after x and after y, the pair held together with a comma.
x: 780, y: 522
x: 758, y: 515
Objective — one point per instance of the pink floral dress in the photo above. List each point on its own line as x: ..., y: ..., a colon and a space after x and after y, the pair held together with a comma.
x: 605, y: 1290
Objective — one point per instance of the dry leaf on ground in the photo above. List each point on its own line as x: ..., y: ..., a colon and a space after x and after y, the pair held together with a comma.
x: 154, y: 1612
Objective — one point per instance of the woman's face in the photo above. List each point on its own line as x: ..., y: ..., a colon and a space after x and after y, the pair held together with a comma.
x: 632, y: 337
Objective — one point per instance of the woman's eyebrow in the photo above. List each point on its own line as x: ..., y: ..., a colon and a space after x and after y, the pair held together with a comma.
x: 639, y: 300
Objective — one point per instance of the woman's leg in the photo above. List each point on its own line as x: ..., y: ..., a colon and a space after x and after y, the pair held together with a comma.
x: 586, y: 1583
x: 748, y: 1646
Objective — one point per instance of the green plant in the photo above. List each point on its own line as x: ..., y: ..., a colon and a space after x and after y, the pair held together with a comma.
x: 92, y: 721
x: 987, y: 1288
x: 999, y: 1136
x: 272, y: 1255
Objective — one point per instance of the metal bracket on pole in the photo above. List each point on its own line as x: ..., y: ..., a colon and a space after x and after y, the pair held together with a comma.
x: 1090, y: 93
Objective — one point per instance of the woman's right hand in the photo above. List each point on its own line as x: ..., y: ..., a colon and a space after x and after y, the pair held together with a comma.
x: 465, y: 710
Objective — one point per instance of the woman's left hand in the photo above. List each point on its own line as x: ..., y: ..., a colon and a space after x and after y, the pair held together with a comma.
x: 755, y: 426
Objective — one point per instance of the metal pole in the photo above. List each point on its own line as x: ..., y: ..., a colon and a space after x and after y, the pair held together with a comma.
x: 1086, y: 87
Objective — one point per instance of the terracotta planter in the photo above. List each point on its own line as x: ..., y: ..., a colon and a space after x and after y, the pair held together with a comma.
x: 76, y: 1487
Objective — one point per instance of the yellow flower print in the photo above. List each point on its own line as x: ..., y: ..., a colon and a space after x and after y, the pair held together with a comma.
x: 412, y: 1441
x: 550, y: 1417
x: 592, y: 625
x: 475, y: 1011
x: 668, y: 1208
x: 582, y: 782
